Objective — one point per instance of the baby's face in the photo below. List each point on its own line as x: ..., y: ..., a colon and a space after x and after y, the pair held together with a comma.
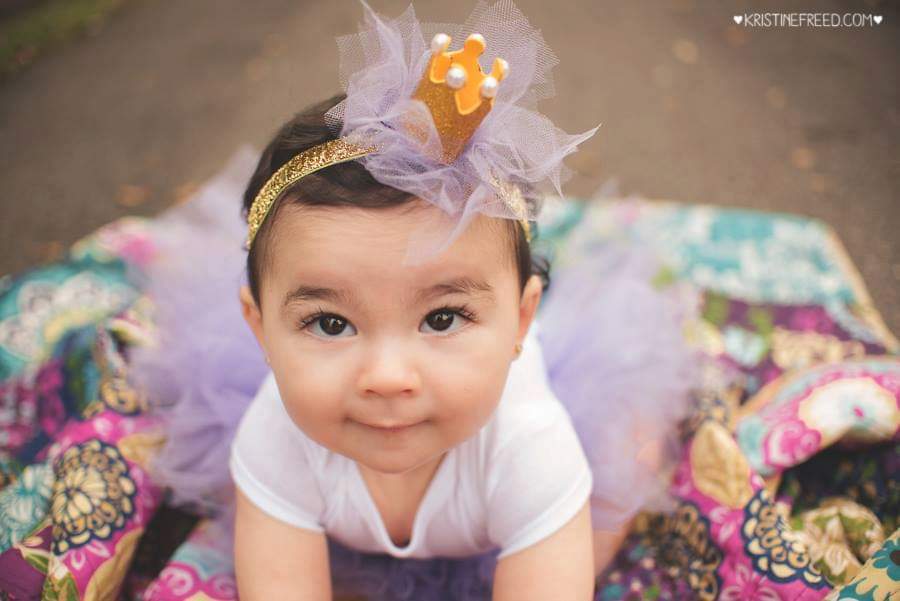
x: 357, y: 340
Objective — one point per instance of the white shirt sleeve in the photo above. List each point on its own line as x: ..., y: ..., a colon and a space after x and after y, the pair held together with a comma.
x: 537, y: 481
x: 270, y: 462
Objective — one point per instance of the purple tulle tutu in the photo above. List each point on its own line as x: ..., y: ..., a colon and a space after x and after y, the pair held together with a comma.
x: 206, y: 366
x: 616, y: 358
x: 611, y: 340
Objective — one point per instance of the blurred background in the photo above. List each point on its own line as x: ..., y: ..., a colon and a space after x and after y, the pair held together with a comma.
x: 115, y: 107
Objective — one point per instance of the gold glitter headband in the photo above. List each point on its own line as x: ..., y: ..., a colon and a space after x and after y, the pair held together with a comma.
x: 309, y: 161
x: 325, y: 155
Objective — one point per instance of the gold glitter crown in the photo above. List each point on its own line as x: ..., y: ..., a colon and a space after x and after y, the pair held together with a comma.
x: 457, y: 93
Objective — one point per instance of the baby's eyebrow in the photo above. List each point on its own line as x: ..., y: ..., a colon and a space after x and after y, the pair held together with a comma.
x: 309, y: 293
x: 460, y: 285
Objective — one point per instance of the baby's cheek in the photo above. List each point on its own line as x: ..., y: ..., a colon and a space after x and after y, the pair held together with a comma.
x: 313, y: 401
x: 471, y: 390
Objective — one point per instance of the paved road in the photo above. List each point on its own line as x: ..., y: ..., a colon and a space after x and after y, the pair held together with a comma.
x: 693, y: 107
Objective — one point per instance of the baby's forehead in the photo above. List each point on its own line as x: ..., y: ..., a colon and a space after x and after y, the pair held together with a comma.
x: 349, y: 238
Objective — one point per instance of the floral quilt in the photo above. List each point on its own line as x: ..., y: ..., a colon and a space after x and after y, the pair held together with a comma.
x: 788, y: 488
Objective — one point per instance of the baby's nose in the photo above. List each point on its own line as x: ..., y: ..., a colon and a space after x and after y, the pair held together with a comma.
x: 390, y: 370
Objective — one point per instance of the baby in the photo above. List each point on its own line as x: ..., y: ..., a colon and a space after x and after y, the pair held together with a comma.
x: 407, y: 411
x: 412, y: 406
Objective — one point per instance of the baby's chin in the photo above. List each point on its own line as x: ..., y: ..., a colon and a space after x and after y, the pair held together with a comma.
x: 394, y: 452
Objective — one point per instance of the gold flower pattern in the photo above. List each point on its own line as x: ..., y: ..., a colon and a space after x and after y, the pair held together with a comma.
x: 117, y: 394
x: 93, y: 495
x: 687, y: 550
x: 770, y: 543
x: 120, y: 396
x: 114, y: 390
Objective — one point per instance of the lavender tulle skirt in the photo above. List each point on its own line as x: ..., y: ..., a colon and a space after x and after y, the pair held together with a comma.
x: 612, y: 341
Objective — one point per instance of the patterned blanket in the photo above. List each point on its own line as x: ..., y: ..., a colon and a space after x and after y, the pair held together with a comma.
x: 788, y: 488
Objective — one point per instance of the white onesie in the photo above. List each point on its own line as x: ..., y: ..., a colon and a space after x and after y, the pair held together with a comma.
x: 520, y: 478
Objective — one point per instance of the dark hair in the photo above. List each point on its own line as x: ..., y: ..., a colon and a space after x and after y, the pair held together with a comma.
x: 344, y: 184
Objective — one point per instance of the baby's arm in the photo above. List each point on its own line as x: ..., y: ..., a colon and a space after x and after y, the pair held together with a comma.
x: 274, y: 560
x: 560, y: 566
x: 606, y: 546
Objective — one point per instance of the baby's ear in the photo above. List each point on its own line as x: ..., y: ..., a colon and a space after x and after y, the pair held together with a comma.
x: 531, y: 298
x: 252, y: 314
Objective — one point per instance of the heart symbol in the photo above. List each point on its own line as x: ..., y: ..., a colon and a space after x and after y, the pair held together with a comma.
x: 738, y: 19
x: 878, y: 19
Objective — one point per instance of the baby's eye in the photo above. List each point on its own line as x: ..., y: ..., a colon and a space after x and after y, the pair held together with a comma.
x: 327, y: 325
x: 446, y: 318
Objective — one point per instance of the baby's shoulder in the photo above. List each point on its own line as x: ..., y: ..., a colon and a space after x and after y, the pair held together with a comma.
x: 532, y: 458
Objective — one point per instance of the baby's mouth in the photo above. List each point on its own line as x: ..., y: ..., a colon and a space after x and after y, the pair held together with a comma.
x: 391, y: 428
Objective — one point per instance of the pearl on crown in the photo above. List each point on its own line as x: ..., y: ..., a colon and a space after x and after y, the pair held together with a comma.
x: 456, y: 77
x: 440, y: 42
x: 489, y: 87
